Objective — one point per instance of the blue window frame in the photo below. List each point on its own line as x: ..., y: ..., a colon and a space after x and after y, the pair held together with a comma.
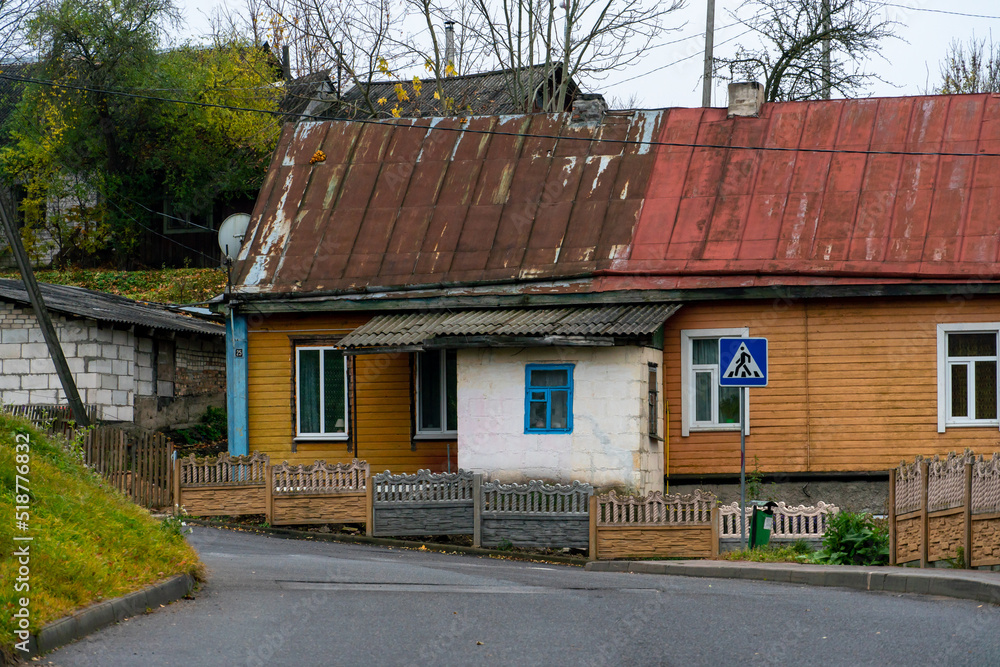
x: 548, y: 398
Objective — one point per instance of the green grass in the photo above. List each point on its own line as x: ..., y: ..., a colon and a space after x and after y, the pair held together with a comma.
x: 162, y: 285
x: 772, y: 553
x: 90, y: 542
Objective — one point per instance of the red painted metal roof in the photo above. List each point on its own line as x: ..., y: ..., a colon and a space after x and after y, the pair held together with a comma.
x: 407, y: 203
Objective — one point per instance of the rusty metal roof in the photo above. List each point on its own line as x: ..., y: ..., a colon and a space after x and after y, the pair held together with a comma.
x: 105, y: 307
x: 866, y: 191
x: 419, y: 327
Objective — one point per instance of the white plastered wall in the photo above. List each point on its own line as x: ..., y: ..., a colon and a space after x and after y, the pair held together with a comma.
x: 610, y: 443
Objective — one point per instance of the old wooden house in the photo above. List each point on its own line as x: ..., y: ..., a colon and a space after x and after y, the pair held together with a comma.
x: 541, y: 295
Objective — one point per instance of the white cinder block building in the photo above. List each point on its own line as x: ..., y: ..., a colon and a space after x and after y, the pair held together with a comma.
x: 134, y: 362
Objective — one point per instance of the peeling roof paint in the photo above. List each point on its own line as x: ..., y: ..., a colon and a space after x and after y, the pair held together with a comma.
x: 416, y: 206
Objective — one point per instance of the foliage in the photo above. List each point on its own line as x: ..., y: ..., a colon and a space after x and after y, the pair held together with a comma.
x: 91, y: 543
x: 208, y: 437
x: 160, y: 286
x: 772, y: 553
x: 755, y: 481
x: 99, y: 166
x: 853, y: 538
x: 808, y: 49
x: 970, y: 68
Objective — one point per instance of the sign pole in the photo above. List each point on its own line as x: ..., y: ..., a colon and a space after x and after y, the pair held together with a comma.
x: 743, y: 468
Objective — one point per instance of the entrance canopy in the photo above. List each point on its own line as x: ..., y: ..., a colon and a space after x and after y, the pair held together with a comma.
x: 508, y: 327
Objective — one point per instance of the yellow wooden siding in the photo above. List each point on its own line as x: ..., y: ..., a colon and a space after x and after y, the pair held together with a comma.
x: 380, y: 413
x: 852, y: 384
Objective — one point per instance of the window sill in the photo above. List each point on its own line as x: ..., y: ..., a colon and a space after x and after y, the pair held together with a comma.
x: 735, y: 428
x: 440, y: 435
x: 983, y: 424
x: 321, y: 438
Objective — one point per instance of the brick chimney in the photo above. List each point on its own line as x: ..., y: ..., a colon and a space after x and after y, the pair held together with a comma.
x: 745, y: 99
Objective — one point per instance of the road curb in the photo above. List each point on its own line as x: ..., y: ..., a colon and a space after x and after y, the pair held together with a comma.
x: 97, y: 616
x: 389, y: 542
x: 963, y: 585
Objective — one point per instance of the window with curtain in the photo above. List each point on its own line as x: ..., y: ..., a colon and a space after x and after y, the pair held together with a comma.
x: 321, y: 393
x: 437, y: 392
x: 548, y: 398
x: 652, y: 398
x: 971, y: 378
x: 710, y: 405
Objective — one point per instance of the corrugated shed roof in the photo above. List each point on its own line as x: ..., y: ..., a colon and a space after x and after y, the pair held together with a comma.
x: 415, y: 328
x: 808, y: 193
x: 482, y: 94
x: 107, y: 308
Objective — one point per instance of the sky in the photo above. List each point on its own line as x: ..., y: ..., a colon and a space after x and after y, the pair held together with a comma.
x: 670, y: 74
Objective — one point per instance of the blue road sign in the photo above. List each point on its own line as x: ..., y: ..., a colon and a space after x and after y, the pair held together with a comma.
x: 743, y: 362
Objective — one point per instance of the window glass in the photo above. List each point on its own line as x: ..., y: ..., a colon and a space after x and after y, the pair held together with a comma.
x: 334, y: 393
x: 560, y: 409
x: 309, y: 391
x: 959, y: 390
x: 430, y: 390
x: 729, y: 405
x: 451, y: 389
x: 540, y: 378
x: 703, y: 391
x: 705, y: 351
x: 972, y: 345
x: 986, y: 390
x: 537, y: 415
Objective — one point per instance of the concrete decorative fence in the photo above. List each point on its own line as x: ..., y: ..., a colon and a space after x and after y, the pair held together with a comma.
x: 802, y: 522
x: 424, y: 504
x: 319, y: 493
x: 222, y: 485
x: 534, y: 515
x: 940, y: 508
x: 677, y: 526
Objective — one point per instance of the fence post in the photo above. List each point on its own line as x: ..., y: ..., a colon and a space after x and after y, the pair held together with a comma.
x: 892, y: 516
x: 477, y: 510
x: 592, y: 511
x: 177, y: 486
x: 968, y: 515
x: 715, y: 531
x: 924, y: 528
x: 269, y: 494
x: 369, y: 506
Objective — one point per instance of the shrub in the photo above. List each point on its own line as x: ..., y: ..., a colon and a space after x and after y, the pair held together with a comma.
x: 853, y: 538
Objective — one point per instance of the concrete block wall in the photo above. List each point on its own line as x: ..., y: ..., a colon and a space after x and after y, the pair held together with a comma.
x: 610, y: 444
x: 99, y: 356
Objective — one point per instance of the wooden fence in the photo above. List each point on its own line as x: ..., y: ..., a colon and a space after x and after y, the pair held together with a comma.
x: 319, y: 493
x: 940, y: 509
x: 534, y: 515
x: 678, y: 526
x: 137, y: 464
x: 53, y: 418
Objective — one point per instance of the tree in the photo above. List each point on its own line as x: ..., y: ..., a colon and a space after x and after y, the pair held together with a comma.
x: 970, y: 68
x: 99, y: 189
x: 809, y: 49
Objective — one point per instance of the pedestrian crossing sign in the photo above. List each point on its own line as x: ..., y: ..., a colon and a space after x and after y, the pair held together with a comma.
x: 743, y: 362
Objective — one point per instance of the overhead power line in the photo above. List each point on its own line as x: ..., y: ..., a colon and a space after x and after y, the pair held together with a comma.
x: 500, y: 133
x: 932, y: 11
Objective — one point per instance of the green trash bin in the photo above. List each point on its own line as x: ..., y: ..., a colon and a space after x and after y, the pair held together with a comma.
x: 761, y: 523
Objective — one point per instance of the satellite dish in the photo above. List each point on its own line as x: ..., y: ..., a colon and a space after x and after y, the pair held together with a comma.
x: 231, y: 234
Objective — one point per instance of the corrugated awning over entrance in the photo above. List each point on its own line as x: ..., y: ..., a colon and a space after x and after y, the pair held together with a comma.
x: 599, y: 325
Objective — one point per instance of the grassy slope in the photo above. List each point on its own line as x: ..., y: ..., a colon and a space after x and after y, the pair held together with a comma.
x: 163, y: 285
x: 91, y: 543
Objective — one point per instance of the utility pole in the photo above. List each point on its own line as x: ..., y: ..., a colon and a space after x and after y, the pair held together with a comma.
x: 826, y: 64
x: 48, y: 331
x: 706, y: 91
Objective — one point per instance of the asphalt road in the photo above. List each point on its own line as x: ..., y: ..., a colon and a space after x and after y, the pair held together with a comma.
x: 274, y: 601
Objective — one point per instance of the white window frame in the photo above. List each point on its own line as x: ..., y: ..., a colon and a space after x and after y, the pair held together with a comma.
x: 442, y: 433
x: 321, y: 437
x: 944, y: 376
x: 688, y: 424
